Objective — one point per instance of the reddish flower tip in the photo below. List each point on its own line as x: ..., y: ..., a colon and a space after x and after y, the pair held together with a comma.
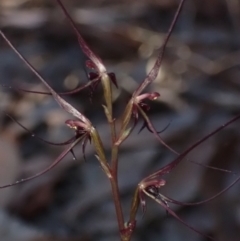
x: 153, y: 96
x: 89, y: 64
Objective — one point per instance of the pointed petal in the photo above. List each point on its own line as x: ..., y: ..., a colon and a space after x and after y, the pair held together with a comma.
x: 85, y: 48
x: 155, y: 70
x: 62, y: 103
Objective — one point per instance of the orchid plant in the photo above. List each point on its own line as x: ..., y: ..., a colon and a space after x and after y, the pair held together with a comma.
x: 135, y: 109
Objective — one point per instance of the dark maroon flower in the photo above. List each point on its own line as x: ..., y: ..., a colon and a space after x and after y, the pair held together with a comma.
x: 139, y: 104
x: 81, y: 131
x: 95, y: 76
x: 151, y: 185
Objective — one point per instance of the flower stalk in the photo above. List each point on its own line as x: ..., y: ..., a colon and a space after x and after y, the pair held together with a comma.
x: 137, y: 108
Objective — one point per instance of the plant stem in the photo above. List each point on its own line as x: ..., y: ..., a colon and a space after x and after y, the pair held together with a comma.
x: 117, y: 203
x: 134, y: 206
x: 107, y: 88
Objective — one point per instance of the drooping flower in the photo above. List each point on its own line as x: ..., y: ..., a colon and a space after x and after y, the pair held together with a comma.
x: 139, y: 105
x: 151, y: 185
x: 94, y: 76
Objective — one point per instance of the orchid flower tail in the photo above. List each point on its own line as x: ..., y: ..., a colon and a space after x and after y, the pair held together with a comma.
x: 214, y: 168
x: 73, y: 154
x: 61, y: 156
x: 62, y: 103
x: 71, y: 140
x: 171, y: 212
x: 85, y: 48
x: 84, y: 144
x: 154, y: 131
x: 70, y: 92
x: 166, y: 169
x: 204, y: 201
x: 152, y: 75
x: 158, y: 132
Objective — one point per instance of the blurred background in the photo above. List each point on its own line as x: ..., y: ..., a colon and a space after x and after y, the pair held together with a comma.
x: 199, y: 83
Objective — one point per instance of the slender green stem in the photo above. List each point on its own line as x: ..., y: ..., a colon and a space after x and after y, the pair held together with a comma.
x: 115, y: 188
x: 114, y: 160
x: 134, y: 206
x: 118, y: 206
x: 107, y: 88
